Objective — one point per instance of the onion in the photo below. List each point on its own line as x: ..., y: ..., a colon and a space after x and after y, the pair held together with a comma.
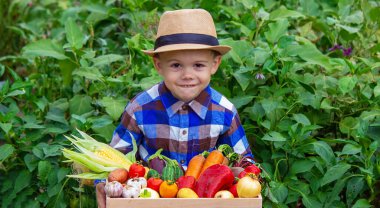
x: 248, y: 187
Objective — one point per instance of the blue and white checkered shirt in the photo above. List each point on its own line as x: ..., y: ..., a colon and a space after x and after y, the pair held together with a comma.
x: 157, y: 120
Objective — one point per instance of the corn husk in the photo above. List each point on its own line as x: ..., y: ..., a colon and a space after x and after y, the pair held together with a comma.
x: 99, y: 158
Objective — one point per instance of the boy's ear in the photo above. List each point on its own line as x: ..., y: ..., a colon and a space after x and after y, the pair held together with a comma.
x: 216, y: 63
x: 157, y: 65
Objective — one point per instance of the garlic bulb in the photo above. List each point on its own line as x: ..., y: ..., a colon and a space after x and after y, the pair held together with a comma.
x: 139, y: 182
x: 130, y: 192
x: 113, y: 189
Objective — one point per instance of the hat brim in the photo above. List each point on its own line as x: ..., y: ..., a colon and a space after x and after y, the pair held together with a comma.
x: 222, y: 49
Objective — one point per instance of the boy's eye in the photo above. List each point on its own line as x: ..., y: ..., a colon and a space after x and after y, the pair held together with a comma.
x: 199, y: 65
x: 175, y: 65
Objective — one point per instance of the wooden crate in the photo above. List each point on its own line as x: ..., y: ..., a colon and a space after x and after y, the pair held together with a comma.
x: 185, y: 203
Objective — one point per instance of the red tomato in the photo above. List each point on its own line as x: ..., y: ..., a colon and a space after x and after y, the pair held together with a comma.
x: 154, y: 183
x: 250, y: 169
x: 233, y: 190
x: 136, y: 170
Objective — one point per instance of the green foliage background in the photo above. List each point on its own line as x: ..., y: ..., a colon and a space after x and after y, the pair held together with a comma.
x: 313, y: 121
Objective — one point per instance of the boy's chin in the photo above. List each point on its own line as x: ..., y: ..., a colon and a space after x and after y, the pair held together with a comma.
x: 186, y: 98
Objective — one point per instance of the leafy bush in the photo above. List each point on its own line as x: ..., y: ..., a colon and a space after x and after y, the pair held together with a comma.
x: 304, y: 76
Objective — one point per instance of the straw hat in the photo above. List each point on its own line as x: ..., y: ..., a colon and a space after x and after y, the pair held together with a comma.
x: 186, y: 29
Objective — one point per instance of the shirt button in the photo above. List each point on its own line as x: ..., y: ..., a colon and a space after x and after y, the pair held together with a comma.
x: 184, y: 132
x: 184, y: 107
x: 182, y: 161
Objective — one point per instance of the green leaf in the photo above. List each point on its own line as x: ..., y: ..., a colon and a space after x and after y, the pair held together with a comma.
x: 31, y: 161
x: 114, y: 107
x: 310, y: 201
x: 349, y: 29
x: 131, y: 156
x: 350, y: 149
x: 355, y: 18
x: 6, y: 150
x: 23, y: 180
x: 270, y: 105
x: 274, y: 137
x: 376, y: 90
x: 261, y: 55
x: 279, y: 191
x: 44, y: 168
x: 73, y: 34
x: 326, y: 104
x: 277, y: 30
x: 308, y: 52
x: 243, y: 77
x: 91, y: 73
x: 354, y: 188
x: 52, y: 150
x: 302, y: 119
x: 283, y: 12
x: 301, y: 166
x: 14, y: 93
x: 348, y: 124
x: 80, y: 104
x: 335, y: 173
x: 107, y: 59
x: 362, y: 203
x: 6, y: 127
x: 347, y: 84
x: 100, y: 122
x: 324, y: 150
x: 53, y: 189
x: 240, y: 49
x: 57, y: 115
x: 45, y: 47
x: 240, y: 101
x: 67, y: 68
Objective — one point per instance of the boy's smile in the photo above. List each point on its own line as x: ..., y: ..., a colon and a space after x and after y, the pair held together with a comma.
x: 187, y: 72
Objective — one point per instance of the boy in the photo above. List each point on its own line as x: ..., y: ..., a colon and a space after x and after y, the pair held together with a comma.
x: 182, y: 115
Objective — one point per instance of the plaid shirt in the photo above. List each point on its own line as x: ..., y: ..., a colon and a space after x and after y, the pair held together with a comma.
x: 157, y: 120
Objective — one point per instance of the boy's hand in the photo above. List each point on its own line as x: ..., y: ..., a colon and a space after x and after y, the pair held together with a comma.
x: 101, y: 195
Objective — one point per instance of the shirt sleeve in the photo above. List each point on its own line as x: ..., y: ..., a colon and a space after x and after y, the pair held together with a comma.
x: 236, y: 138
x: 125, y: 131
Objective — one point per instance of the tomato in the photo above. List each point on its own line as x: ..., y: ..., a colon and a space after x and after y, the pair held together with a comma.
x: 154, y: 183
x: 248, y: 187
x: 233, y: 190
x: 250, y: 169
x: 136, y: 170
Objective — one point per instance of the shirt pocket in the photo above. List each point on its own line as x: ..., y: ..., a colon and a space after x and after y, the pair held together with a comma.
x: 206, y: 144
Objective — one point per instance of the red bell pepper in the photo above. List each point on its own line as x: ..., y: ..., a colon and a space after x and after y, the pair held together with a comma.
x: 250, y: 169
x: 186, y: 182
x: 215, y: 178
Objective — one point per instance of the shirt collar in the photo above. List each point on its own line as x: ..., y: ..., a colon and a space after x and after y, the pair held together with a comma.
x: 199, y: 105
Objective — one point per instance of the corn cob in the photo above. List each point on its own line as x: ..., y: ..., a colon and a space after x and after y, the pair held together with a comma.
x: 96, y: 156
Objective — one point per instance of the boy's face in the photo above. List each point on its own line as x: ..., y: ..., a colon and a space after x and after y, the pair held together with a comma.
x: 187, y: 72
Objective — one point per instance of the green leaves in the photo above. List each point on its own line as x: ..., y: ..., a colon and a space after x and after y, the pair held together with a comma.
x: 324, y: 150
x: 114, y: 107
x: 6, y: 150
x: 73, y: 34
x: 107, y: 59
x: 347, y: 84
x: 277, y: 30
x: 335, y: 173
x: 44, y: 48
x: 274, y: 137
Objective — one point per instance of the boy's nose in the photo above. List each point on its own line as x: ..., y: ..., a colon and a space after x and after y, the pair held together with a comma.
x: 187, y: 73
